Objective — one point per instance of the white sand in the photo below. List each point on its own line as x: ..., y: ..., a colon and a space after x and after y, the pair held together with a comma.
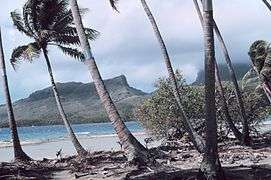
x: 49, y: 149
x: 39, y: 151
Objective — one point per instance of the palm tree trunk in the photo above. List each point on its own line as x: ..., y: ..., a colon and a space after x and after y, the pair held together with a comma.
x: 19, y: 154
x: 267, y: 4
x: 246, y: 140
x: 193, y: 135
x: 210, y: 165
x: 225, y: 108
x: 245, y: 134
x: 135, y: 151
x: 80, y: 150
x: 229, y: 120
x: 267, y: 90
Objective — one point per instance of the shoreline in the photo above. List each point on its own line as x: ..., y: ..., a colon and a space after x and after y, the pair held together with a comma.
x: 8, y: 144
x: 61, y: 124
x: 48, y: 150
x: 91, y: 142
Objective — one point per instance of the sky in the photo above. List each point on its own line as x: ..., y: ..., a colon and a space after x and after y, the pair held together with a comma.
x: 127, y: 44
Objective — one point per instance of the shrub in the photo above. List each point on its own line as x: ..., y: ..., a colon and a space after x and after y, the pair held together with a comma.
x: 159, y: 113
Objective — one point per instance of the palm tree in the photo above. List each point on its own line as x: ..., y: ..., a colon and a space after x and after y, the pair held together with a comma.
x: 245, y: 134
x: 195, y: 138
x: 261, y: 59
x: 229, y: 120
x: 19, y: 154
x: 49, y: 23
x: 225, y: 108
x: 210, y: 165
x: 136, y: 152
x: 267, y: 4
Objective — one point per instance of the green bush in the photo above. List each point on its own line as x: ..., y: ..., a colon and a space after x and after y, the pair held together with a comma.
x: 159, y: 113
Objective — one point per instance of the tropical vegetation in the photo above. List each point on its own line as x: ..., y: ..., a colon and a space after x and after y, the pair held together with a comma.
x: 159, y: 113
x: 204, y: 114
x: 49, y: 23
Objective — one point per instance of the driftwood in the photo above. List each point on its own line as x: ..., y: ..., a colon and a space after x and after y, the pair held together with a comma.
x: 174, y: 163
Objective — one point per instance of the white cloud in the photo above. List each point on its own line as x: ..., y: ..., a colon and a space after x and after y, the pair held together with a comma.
x: 128, y: 46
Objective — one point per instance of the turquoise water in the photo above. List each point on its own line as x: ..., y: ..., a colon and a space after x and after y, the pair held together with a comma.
x: 55, y: 132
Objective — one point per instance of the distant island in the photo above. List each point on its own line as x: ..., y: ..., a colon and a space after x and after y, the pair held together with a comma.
x: 80, y: 101
x: 240, y: 70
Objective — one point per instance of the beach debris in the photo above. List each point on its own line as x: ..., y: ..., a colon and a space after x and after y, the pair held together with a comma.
x: 239, y: 162
x: 80, y: 175
x: 147, y: 141
x: 120, y: 143
x: 59, y: 154
x: 174, y: 133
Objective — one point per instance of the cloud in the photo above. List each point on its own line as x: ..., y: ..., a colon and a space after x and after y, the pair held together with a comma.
x: 127, y: 44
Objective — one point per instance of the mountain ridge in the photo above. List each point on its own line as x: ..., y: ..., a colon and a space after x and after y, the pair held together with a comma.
x: 80, y: 100
x: 240, y: 70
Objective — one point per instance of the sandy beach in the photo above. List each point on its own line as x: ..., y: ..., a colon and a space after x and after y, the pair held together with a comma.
x: 38, y: 151
x: 48, y: 149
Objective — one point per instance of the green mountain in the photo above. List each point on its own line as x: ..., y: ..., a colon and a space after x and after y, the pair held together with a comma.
x: 80, y: 101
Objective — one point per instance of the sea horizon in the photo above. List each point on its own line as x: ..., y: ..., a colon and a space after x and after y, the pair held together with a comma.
x: 31, y: 135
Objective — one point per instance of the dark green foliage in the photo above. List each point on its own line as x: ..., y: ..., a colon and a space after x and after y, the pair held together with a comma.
x: 159, y: 113
x: 260, y: 54
x: 48, y: 22
x: 256, y: 106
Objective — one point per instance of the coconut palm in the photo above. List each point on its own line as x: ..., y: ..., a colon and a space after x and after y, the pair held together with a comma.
x: 135, y: 151
x: 19, y: 154
x: 225, y: 107
x: 49, y: 23
x: 245, y: 138
x: 260, y: 54
x: 229, y: 120
x: 210, y: 165
x: 195, y: 138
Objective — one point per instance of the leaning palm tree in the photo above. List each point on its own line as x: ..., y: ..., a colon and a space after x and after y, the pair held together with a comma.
x: 210, y: 165
x: 49, y: 23
x: 246, y: 140
x: 225, y: 108
x: 135, y: 151
x: 19, y: 154
x: 267, y: 4
x: 193, y: 135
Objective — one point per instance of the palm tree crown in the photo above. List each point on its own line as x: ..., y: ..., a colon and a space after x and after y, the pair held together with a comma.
x: 49, y: 22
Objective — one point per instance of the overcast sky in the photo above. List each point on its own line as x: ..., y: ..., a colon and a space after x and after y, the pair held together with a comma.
x: 127, y: 44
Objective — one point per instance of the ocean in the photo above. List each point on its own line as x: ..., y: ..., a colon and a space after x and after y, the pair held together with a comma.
x: 40, y: 134
x: 44, y: 141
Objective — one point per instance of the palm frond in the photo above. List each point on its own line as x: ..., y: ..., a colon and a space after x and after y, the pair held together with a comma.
x: 72, y: 52
x: 66, y: 40
x: 69, y: 36
x: 64, y: 19
x: 49, y: 22
x: 18, y: 23
x: 55, y: 9
x: 27, y: 52
x: 92, y: 34
x: 30, y: 10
